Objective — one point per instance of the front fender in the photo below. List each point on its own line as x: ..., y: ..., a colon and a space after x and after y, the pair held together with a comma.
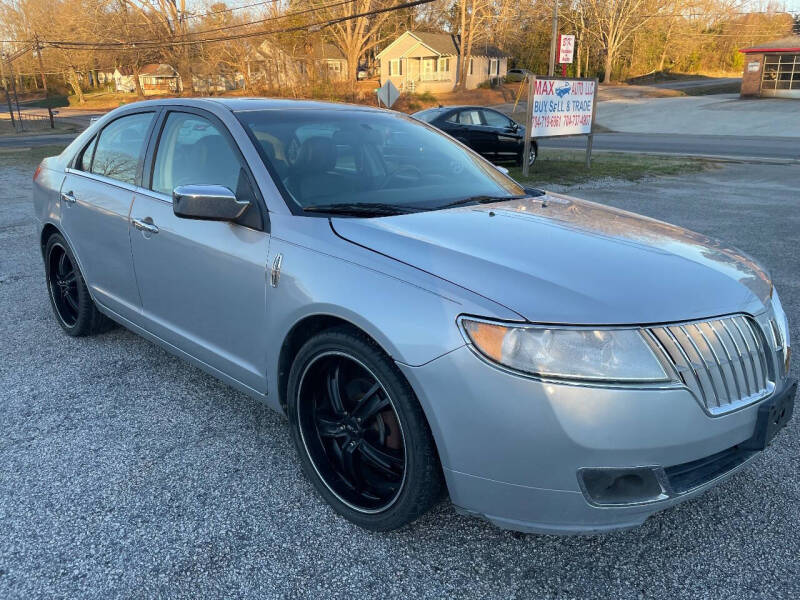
x: 410, y: 314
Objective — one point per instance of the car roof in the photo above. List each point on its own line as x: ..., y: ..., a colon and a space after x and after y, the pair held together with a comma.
x: 245, y: 104
x: 459, y: 107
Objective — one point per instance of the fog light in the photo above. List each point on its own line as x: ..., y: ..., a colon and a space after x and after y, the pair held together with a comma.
x: 609, y: 487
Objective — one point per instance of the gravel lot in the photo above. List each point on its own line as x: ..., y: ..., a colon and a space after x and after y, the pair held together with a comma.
x: 125, y: 472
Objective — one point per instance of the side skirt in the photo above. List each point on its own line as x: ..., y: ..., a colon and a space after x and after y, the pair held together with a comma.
x: 234, y: 383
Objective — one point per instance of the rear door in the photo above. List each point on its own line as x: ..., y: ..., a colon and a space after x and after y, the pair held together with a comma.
x: 482, y: 139
x: 96, y: 199
x: 508, y: 135
x: 202, y: 283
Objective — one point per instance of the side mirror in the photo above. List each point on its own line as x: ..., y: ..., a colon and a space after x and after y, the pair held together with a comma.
x: 514, y: 126
x: 208, y: 202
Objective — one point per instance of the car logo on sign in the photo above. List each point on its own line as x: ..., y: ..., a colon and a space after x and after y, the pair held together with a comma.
x: 563, y: 89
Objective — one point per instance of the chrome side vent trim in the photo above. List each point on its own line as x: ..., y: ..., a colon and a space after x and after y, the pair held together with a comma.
x: 725, y: 363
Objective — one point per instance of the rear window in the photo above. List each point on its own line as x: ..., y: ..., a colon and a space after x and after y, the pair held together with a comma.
x: 428, y: 115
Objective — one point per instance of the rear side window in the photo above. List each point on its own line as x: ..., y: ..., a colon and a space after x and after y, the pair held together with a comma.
x: 84, y: 160
x: 470, y: 117
x: 120, y: 147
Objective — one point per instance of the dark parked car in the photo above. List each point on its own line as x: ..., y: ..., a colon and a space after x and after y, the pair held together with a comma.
x: 517, y: 74
x: 487, y: 131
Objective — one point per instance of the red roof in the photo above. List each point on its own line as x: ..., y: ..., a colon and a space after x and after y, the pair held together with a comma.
x: 787, y: 44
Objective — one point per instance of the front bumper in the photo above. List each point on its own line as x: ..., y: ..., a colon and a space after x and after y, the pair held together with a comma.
x: 512, y: 447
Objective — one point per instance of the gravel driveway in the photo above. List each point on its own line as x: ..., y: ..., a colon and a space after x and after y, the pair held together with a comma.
x: 124, y: 472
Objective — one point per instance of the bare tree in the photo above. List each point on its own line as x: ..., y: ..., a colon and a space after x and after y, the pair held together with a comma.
x: 354, y: 36
x: 169, y: 22
x: 613, y: 22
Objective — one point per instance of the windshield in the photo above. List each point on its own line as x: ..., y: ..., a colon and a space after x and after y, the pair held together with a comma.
x: 335, y: 157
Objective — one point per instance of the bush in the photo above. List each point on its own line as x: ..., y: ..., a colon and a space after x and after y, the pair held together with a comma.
x: 425, y: 96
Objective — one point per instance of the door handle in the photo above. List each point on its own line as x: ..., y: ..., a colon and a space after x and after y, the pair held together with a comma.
x: 144, y: 225
x: 69, y: 197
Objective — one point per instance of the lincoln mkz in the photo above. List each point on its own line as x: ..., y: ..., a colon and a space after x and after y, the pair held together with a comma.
x: 428, y: 325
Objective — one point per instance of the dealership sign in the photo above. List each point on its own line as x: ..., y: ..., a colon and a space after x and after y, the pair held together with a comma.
x: 562, y: 107
x: 566, y: 48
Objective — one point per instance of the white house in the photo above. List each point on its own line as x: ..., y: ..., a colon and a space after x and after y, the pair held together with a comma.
x: 153, y: 77
x: 419, y: 61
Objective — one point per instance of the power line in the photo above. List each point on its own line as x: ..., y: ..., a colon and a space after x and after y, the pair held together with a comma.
x: 315, y: 26
x: 146, y: 42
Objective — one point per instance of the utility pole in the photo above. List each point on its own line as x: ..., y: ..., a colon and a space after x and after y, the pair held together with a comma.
x: 553, y: 41
x: 5, y: 89
x: 14, y: 89
x: 41, y: 64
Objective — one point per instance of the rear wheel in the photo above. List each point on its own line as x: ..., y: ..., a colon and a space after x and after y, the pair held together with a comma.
x: 69, y: 296
x: 361, y: 434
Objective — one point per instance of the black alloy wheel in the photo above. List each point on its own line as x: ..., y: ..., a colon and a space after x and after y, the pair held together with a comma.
x: 63, y: 285
x: 351, y: 432
x: 69, y: 296
x: 360, y: 432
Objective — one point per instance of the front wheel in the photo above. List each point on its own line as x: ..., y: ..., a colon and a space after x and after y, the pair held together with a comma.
x: 360, y: 432
x: 534, y: 152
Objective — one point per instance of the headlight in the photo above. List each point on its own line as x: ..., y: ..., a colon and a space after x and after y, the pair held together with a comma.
x: 780, y: 331
x: 607, y: 355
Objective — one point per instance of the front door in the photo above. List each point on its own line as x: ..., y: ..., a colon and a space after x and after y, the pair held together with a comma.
x: 203, y: 283
x: 96, y: 199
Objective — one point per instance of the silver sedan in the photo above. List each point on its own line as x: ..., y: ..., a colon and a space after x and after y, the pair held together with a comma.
x: 428, y: 325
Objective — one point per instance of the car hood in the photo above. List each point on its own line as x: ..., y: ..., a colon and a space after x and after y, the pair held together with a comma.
x: 556, y: 259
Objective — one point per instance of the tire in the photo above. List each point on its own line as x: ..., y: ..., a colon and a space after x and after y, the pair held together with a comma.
x: 386, y: 472
x: 73, y: 306
x: 532, y: 157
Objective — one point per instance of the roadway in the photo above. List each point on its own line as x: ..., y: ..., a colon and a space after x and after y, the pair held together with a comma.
x: 718, y: 146
x: 722, y: 146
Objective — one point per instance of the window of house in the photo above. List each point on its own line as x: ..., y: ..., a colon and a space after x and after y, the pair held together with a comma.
x: 781, y: 72
x: 335, y: 65
x: 444, y: 64
x: 120, y: 147
x: 395, y: 67
x: 193, y: 151
x: 471, y: 65
x: 494, y: 66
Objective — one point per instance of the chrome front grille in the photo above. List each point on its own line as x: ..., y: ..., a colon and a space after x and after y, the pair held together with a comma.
x: 725, y: 362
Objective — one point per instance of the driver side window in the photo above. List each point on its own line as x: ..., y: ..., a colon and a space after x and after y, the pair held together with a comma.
x: 495, y: 119
x: 193, y: 151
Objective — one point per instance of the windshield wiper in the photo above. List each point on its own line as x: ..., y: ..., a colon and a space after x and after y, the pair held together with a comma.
x: 361, y: 209
x: 479, y: 200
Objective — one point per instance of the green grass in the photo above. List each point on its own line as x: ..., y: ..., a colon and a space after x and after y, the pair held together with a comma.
x: 54, y: 101
x: 567, y: 167
x: 27, y: 157
x: 35, y: 128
